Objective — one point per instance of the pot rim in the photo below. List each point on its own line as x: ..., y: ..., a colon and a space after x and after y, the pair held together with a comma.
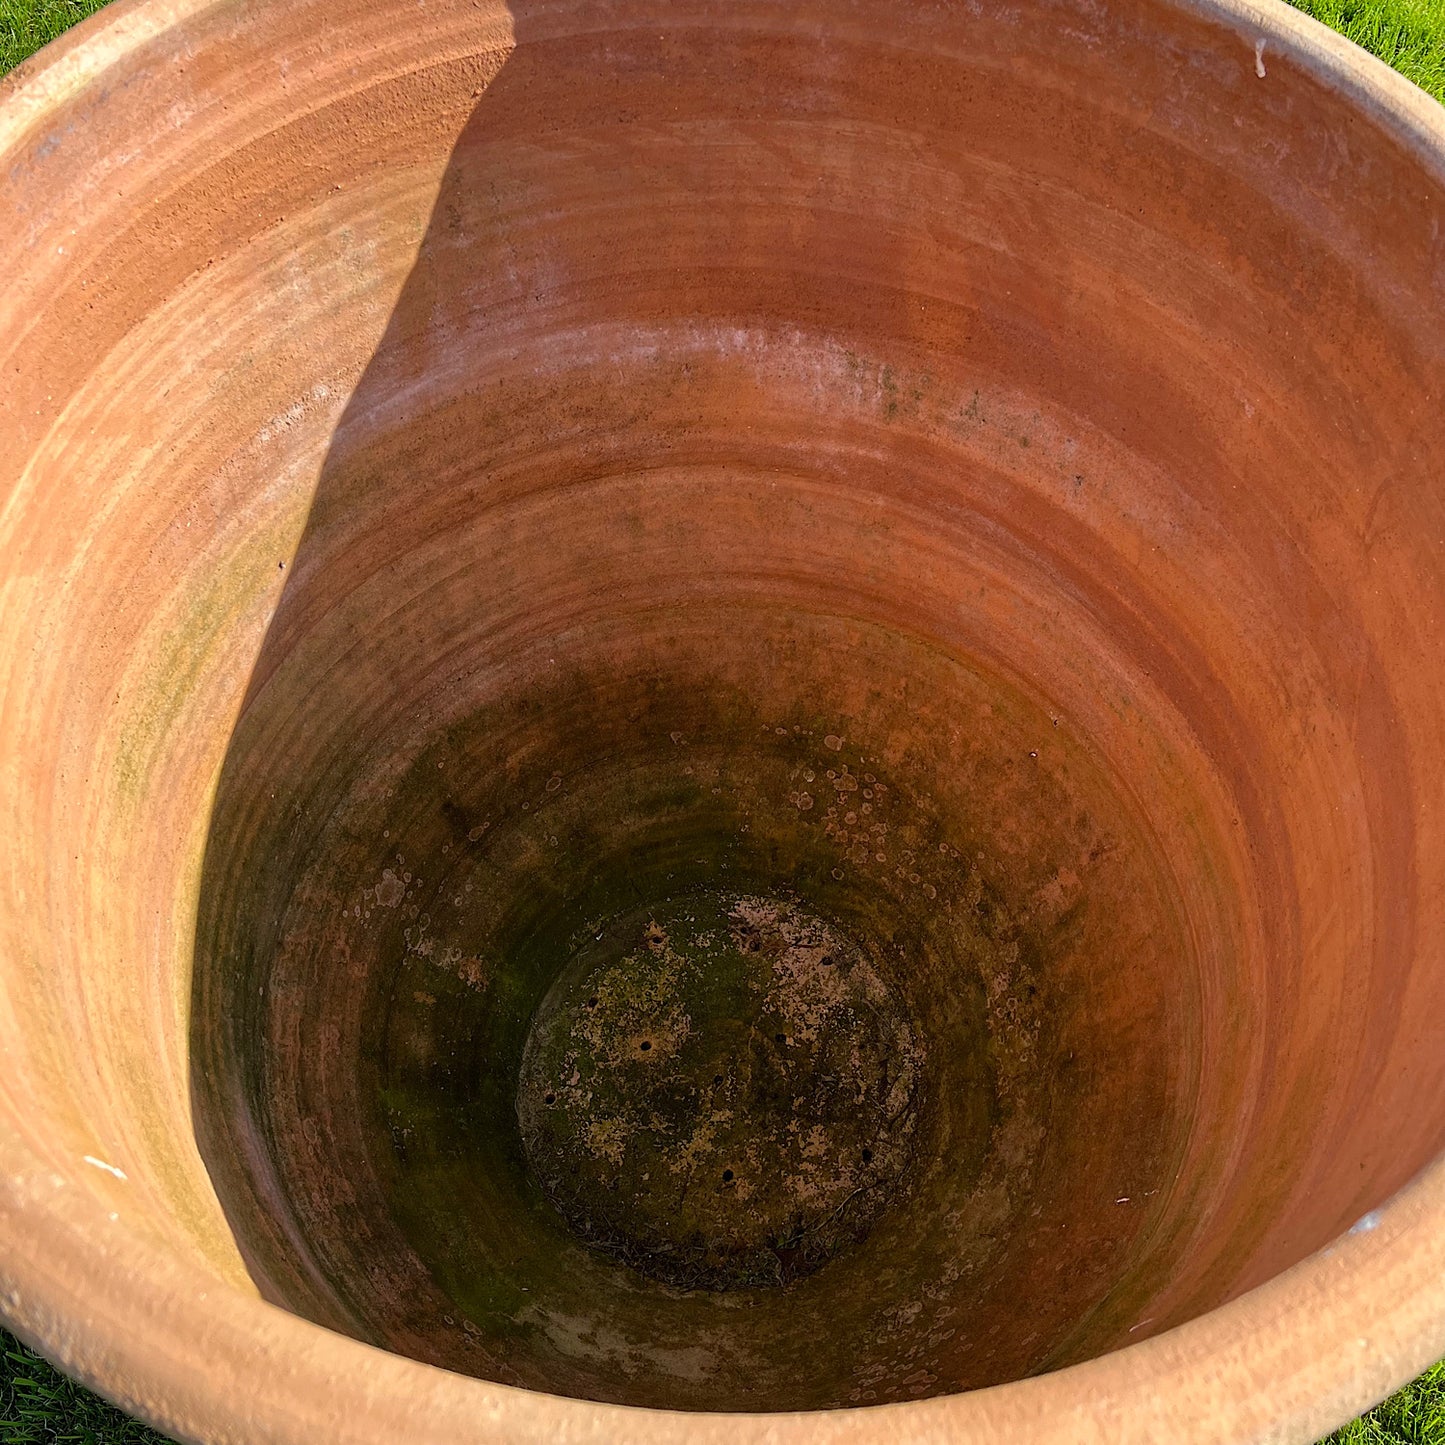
x: 1286, y: 1361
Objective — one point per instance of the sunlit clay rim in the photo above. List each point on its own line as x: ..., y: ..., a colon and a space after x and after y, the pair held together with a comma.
x: 166, y: 1340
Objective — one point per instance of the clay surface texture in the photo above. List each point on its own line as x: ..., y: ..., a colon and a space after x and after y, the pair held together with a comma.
x: 722, y: 722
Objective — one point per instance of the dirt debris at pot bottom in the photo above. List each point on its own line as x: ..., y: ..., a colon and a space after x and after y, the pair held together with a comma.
x: 720, y: 1091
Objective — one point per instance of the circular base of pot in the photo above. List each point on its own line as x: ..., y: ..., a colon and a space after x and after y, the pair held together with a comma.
x: 720, y: 1091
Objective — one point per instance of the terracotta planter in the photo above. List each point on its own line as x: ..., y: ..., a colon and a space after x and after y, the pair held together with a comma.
x: 726, y: 708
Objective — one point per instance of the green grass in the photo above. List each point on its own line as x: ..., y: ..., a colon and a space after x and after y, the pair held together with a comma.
x: 38, y: 1406
x: 1415, y: 1416
x: 26, y: 25
x: 1408, y: 34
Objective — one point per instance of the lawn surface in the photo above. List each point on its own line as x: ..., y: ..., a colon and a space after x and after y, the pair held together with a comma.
x: 26, y: 25
x: 1408, y: 34
x: 40, y: 1407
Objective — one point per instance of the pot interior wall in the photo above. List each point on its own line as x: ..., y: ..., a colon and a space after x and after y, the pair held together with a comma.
x: 781, y: 657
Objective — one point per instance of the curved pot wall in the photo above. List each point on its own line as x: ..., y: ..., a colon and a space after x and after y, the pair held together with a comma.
x: 732, y: 709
